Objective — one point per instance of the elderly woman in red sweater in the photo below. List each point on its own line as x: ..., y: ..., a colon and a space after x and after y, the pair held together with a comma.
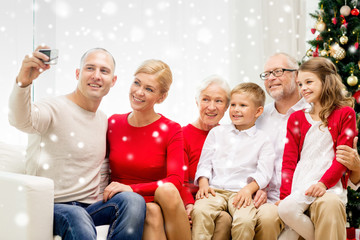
x: 212, y: 99
x: 146, y: 155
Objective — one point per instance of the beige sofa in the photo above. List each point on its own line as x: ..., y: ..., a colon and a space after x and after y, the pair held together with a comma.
x: 26, y: 202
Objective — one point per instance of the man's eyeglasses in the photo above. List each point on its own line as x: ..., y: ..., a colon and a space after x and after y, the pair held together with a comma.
x: 276, y: 72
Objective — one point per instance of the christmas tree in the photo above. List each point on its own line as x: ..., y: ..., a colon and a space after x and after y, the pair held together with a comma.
x: 337, y: 32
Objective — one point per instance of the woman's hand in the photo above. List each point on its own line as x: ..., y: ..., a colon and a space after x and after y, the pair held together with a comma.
x: 316, y: 190
x: 114, y: 188
x: 188, y: 209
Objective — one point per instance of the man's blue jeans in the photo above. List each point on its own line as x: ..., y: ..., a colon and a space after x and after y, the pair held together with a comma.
x: 124, y: 212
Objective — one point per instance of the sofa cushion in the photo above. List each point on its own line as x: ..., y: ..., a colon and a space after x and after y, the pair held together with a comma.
x: 12, y: 158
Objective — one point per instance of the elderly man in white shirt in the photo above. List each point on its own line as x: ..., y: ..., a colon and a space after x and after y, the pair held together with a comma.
x: 280, y: 83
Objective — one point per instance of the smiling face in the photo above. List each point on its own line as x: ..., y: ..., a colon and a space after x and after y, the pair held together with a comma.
x: 212, y: 104
x: 282, y: 87
x: 243, y: 110
x: 96, y: 75
x: 310, y: 87
x: 145, y: 92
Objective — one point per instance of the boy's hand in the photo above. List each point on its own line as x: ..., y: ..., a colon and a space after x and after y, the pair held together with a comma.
x: 242, y: 198
x: 260, y: 198
x: 204, y: 189
x: 316, y: 190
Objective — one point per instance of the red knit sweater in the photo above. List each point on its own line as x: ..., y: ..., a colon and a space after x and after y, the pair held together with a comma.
x: 194, y: 139
x: 342, y: 127
x: 144, y: 157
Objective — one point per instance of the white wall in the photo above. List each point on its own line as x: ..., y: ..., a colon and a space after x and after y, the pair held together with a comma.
x: 198, y: 38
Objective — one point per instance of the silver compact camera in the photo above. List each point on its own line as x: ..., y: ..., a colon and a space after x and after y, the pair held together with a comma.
x: 53, y: 55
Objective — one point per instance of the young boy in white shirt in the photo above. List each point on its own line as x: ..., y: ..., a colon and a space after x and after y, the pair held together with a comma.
x: 237, y: 159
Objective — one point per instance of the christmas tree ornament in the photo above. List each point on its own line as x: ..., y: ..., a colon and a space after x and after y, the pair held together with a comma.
x: 313, y: 30
x: 356, y: 45
x: 343, y: 21
x: 320, y: 25
x: 337, y: 52
x: 323, y: 53
x: 345, y: 10
x: 359, y: 64
x: 357, y: 96
x: 344, y: 39
x: 355, y: 12
x: 316, y: 52
x: 352, y: 80
x: 334, y: 20
x: 309, y: 52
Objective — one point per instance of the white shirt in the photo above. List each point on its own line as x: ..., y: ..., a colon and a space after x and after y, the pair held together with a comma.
x: 231, y: 159
x: 274, y: 125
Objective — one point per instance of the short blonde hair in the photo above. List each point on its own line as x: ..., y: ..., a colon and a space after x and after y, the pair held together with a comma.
x: 161, y: 71
x: 255, y: 91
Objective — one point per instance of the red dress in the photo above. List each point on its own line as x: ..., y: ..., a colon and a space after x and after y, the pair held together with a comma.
x: 144, y: 157
x: 194, y: 139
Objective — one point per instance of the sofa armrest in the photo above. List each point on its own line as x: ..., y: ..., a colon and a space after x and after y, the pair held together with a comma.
x: 26, y: 207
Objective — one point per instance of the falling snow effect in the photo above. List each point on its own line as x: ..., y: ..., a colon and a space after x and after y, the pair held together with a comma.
x: 203, y: 39
x: 349, y: 133
x: 21, y: 219
x: 53, y: 137
x: 155, y: 134
x: 45, y: 166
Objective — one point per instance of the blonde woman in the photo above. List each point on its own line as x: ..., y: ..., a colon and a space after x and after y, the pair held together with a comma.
x: 146, y: 155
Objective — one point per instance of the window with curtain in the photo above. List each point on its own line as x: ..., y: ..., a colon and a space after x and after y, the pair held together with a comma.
x: 198, y: 38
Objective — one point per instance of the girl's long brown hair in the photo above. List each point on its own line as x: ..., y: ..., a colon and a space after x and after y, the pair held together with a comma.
x: 333, y: 94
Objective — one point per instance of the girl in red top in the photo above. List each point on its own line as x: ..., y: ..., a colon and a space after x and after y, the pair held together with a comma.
x: 310, y: 169
x: 146, y: 154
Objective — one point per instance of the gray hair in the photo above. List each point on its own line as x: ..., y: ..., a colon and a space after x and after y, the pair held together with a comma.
x: 217, y: 80
x: 94, y: 50
x: 292, y: 62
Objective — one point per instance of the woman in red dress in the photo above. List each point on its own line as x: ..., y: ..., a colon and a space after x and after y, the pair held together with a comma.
x: 146, y: 154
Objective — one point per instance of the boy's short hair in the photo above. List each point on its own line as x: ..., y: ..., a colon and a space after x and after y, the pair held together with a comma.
x: 256, y: 92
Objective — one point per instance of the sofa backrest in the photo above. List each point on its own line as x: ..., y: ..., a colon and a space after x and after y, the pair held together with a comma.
x: 12, y: 158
